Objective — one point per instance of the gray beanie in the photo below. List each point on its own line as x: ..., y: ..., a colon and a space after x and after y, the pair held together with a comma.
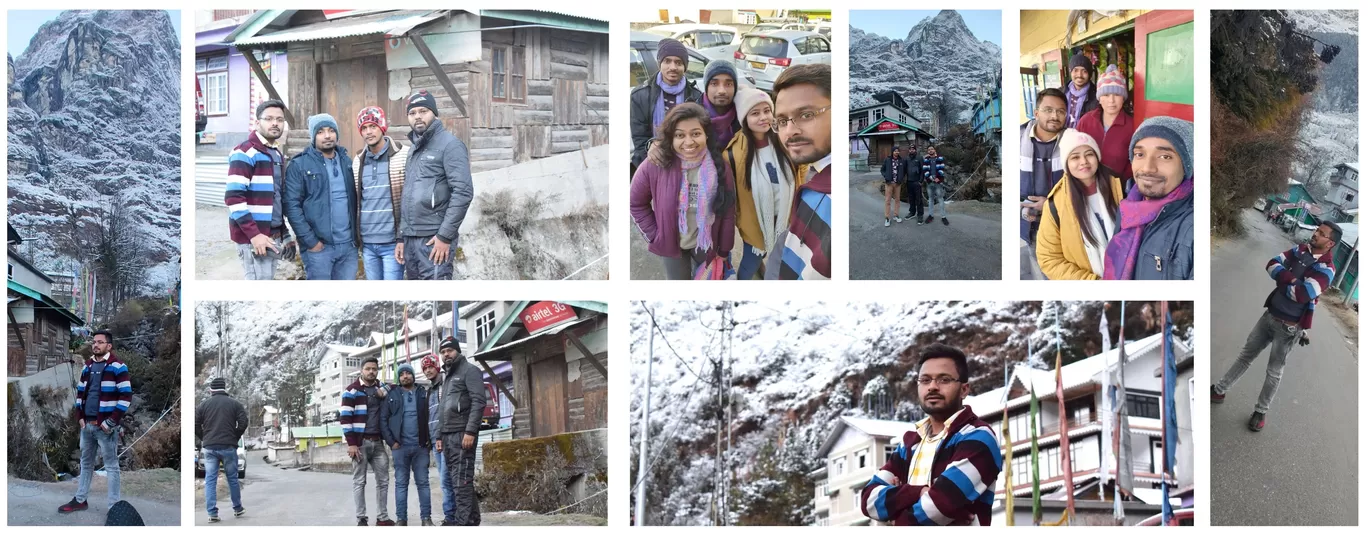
x: 1175, y: 131
x: 319, y: 121
x: 720, y: 67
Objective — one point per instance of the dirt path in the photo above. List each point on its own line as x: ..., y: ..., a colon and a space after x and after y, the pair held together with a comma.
x: 154, y: 493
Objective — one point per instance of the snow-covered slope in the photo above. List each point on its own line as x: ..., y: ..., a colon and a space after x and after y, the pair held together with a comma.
x: 939, y: 59
x: 1330, y: 129
x: 1326, y: 21
x: 94, y: 121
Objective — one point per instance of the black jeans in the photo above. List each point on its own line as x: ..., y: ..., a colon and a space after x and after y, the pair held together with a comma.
x: 460, y: 466
x: 914, y: 199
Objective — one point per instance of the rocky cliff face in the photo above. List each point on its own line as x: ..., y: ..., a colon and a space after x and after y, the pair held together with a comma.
x: 94, y: 124
x: 939, y: 61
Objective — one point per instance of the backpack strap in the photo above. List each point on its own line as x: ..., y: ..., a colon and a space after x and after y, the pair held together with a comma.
x: 1054, y: 212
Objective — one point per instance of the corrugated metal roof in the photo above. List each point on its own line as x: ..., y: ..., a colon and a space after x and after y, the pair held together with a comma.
x: 549, y: 18
x: 379, y: 23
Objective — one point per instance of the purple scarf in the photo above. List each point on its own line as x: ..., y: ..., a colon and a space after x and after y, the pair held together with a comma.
x: 721, y: 124
x: 658, y: 115
x: 1077, y: 98
x: 707, y: 183
x: 1136, y: 212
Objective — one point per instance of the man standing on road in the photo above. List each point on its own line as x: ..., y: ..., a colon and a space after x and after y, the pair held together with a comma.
x: 933, y: 172
x: 404, y: 424
x: 379, y: 172
x: 1300, y: 275
x: 894, y: 172
x: 437, y: 193
x: 220, y: 422
x: 657, y: 96
x: 1154, y: 238
x: 1041, y: 165
x: 360, y: 418
x: 433, y: 370
x: 102, y: 398
x: 802, y: 100
x: 944, y: 470
x: 463, y: 403
x: 320, y: 201
x: 256, y: 185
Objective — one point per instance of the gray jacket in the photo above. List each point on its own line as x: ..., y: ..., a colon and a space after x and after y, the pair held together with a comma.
x: 437, y: 186
x: 220, y: 421
x: 463, y: 398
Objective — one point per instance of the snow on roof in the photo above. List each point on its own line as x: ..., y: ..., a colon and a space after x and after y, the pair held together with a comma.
x: 1293, y: 182
x: 1351, y: 232
x: 870, y: 427
x: 1352, y: 165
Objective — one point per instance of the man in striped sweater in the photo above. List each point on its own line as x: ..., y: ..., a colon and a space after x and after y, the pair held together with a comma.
x: 802, y: 117
x: 1300, y: 275
x: 253, y: 193
x: 944, y: 470
x: 360, y: 418
x: 379, y: 172
x: 102, y: 398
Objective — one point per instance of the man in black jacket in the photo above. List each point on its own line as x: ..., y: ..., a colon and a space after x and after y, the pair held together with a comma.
x: 404, y: 425
x: 220, y: 422
x: 655, y: 97
x: 436, y: 195
x: 463, y: 402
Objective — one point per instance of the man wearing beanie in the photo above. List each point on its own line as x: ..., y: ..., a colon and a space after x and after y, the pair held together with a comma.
x: 432, y: 370
x: 320, y: 202
x: 719, y: 81
x: 220, y: 422
x: 404, y: 425
x: 463, y: 403
x: 1110, y: 124
x: 1154, y: 236
x: 437, y: 194
x: 656, y: 96
x: 1082, y: 96
x: 379, y: 171
x: 253, y: 194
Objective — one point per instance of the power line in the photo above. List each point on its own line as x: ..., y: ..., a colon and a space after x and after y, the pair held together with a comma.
x: 651, y: 313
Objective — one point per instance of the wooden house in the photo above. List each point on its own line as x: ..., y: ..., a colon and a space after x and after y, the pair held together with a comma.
x: 39, y: 326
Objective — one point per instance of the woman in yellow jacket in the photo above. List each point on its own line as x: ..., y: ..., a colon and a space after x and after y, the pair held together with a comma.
x: 766, y: 180
x: 1082, y: 214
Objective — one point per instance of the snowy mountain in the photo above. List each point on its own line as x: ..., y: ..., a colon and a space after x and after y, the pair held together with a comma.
x: 1330, y: 128
x: 94, y: 144
x: 938, y: 60
x: 1326, y: 21
x: 792, y: 369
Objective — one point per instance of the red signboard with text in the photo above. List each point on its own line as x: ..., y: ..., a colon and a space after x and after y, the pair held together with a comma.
x: 542, y: 315
x: 888, y: 125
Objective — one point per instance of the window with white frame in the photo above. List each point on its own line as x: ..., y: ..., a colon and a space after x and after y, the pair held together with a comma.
x: 838, y: 466
x: 890, y: 451
x: 862, y: 459
x: 484, y: 327
x: 1020, y: 426
x: 878, y: 114
x: 856, y: 497
x: 212, y: 72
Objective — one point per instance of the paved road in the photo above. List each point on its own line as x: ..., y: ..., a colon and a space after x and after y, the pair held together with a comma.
x: 647, y: 266
x: 216, y: 253
x: 1302, y: 469
x: 35, y: 503
x: 969, y: 248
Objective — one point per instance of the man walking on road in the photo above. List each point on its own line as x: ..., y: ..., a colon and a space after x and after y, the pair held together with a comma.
x: 463, y: 402
x: 220, y: 422
x: 894, y: 173
x: 433, y: 370
x: 933, y: 172
x: 404, y: 424
x: 320, y: 202
x: 102, y: 398
x: 255, y: 188
x: 437, y: 193
x: 1300, y: 275
x: 379, y: 172
x: 360, y: 418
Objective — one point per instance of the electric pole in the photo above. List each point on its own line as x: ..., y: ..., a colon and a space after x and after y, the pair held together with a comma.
x: 645, y: 434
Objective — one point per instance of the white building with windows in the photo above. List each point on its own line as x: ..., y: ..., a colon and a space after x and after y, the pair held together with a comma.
x: 854, y: 451
x: 332, y: 379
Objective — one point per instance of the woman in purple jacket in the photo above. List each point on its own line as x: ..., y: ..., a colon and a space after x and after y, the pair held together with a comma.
x: 685, y: 209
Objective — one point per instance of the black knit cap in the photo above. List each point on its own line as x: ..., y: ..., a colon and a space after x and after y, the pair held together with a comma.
x: 451, y: 343
x: 423, y: 99
x: 218, y: 384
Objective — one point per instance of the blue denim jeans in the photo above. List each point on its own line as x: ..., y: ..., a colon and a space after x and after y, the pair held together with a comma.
x: 413, y: 459
x: 95, y: 441
x: 750, y: 264
x: 379, y: 262
x: 448, y: 496
x: 336, y: 262
x: 213, y: 459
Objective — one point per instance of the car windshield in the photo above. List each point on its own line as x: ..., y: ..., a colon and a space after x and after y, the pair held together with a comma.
x: 764, y: 46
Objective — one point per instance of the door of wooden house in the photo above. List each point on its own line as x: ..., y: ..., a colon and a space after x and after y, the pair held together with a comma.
x: 549, y: 410
x: 345, y: 87
x: 1164, y: 65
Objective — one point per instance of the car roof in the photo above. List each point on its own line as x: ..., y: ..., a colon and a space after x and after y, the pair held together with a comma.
x: 638, y: 36
x: 683, y: 26
x: 785, y: 34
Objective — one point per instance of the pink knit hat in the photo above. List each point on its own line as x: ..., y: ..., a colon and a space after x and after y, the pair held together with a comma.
x: 372, y: 115
x: 1112, y: 83
x: 1073, y: 139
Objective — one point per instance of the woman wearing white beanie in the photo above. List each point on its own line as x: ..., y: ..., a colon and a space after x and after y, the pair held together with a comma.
x: 765, y: 180
x: 1083, y: 210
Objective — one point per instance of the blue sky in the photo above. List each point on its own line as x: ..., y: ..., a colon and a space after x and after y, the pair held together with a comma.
x: 984, y: 24
x: 24, y: 23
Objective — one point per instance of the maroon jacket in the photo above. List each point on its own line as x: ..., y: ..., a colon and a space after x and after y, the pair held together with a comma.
x: 655, y: 208
x: 964, y: 471
x: 1114, y: 142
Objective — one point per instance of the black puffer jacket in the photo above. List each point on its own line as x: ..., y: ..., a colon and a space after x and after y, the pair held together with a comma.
x: 220, y: 421
x: 463, y: 398
x: 643, y: 107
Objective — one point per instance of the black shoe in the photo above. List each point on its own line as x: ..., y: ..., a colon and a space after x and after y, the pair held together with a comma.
x: 72, y: 506
x: 448, y: 522
x: 945, y: 221
x: 385, y: 523
x: 401, y: 523
x: 239, y: 512
x: 214, y: 519
x: 361, y: 522
x: 1256, y: 422
x: 427, y: 522
x: 930, y: 219
x: 1216, y: 398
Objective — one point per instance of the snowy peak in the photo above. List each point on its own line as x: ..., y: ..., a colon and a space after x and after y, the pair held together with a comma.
x: 1326, y: 21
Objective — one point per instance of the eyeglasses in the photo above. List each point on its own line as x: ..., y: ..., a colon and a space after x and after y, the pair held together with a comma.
x: 802, y: 119
x: 940, y: 380
x: 1054, y: 111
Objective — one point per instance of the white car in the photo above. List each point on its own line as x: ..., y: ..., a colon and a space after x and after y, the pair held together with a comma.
x: 777, y: 26
x: 715, y: 41
x: 765, y: 55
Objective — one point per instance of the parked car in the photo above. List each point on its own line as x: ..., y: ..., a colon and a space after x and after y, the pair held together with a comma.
x: 765, y: 55
x: 644, y: 64
x: 777, y: 26
x: 241, y: 462
x: 715, y: 41
x: 821, y: 28
x: 201, y: 118
x: 490, y: 418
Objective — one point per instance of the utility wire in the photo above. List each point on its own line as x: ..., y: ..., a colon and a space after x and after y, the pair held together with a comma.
x: 651, y: 313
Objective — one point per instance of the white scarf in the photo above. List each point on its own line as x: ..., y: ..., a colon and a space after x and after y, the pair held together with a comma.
x: 773, y: 202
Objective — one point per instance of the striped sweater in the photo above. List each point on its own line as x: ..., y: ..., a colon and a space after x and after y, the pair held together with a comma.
x: 933, y: 169
x: 354, y: 412
x: 963, y: 473
x: 806, y: 245
x: 1309, y: 287
x: 116, y: 390
x: 398, y: 160
x: 251, y: 192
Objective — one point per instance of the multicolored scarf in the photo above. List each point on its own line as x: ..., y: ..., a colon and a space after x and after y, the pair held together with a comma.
x: 1137, y: 211
x: 658, y: 115
x: 707, y: 184
x: 1077, y: 98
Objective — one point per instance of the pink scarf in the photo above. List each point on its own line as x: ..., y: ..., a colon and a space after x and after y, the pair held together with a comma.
x: 707, y: 184
x: 1137, y: 211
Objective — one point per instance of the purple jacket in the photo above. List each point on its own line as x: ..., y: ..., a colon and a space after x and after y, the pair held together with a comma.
x: 655, y: 208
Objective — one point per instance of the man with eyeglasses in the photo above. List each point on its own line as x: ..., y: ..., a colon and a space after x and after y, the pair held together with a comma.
x: 255, y: 187
x: 1041, y: 165
x: 320, y: 202
x: 102, y: 398
x: 933, y: 172
x: 802, y: 100
x: 944, y: 471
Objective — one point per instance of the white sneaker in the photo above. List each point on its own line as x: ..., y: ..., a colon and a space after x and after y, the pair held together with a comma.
x: 897, y: 220
x: 886, y: 224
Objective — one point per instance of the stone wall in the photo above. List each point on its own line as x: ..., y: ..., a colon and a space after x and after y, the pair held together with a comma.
x: 546, y: 474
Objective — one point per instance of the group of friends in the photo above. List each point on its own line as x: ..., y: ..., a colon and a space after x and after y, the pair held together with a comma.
x: 394, y: 208
x: 915, y: 175
x: 1102, y: 198
x: 730, y: 157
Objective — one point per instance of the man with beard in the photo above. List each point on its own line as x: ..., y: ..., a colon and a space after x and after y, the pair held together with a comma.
x: 1082, y: 95
x: 657, y: 96
x: 1041, y: 165
x: 433, y: 371
x: 944, y: 470
x: 802, y: 102
x: 1301, y: 274
x: 320, y: 202
x: 437, y: 194
x: 913, y: 189
x: 463, y: 403
x: 360, y: 419
x: 255, y: 187
x: 933, y: 172
x: 379, y: 171
x: 404, y: 425
x: 103, y: 396
x: 1154, y: 237
x: 720, y: 81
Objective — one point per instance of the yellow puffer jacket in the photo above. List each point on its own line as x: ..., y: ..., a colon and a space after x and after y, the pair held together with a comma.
x: 1059, y: 246
x: 747, y: 218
